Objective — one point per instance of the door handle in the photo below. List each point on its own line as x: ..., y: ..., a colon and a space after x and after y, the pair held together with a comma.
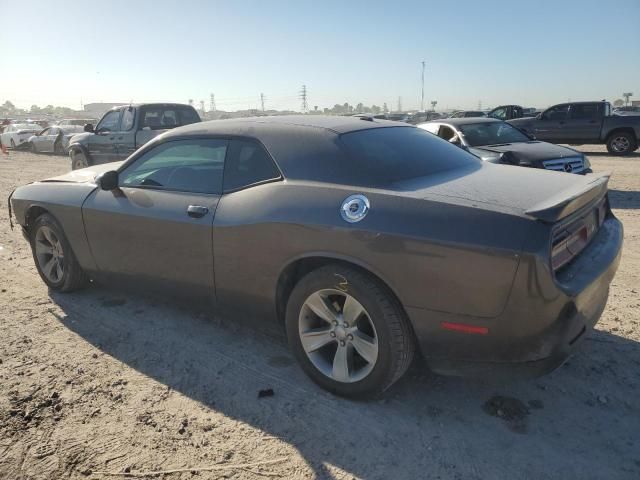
x: 197, y: 211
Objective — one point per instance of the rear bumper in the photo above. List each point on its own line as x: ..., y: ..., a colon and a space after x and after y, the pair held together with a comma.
x: 544, y: 321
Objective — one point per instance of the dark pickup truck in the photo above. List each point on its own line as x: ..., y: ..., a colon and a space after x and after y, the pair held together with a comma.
x: 580, y: 123
x: 122, y: 130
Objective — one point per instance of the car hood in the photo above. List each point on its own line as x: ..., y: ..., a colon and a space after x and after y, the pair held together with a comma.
x: 533, y: 152
x: 85, y: 175
x: 80, y: 137
x: 504, y: 188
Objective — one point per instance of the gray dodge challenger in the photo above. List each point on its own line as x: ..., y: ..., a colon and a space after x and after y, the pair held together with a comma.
x: 367, y: 239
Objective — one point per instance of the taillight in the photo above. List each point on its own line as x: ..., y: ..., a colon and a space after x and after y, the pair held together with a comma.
x: 571, y: 239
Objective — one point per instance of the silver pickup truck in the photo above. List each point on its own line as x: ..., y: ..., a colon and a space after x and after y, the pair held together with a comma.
x: 122, y: 130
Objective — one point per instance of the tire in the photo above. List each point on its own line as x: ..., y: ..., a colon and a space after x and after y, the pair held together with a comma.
x: 13, y: 144
x: 49, y: 244
x: 78, y: 160
x: 621, y: 143
x: 382, y: 323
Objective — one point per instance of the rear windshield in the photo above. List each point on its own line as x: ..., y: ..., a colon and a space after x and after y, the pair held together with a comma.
x: 381, y: 156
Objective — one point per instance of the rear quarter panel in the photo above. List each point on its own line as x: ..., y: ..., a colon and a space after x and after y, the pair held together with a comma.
x: 433, y: 255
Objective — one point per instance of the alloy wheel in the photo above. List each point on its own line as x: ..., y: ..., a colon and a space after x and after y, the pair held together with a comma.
x: 338, y: 335
x: 50, y: 254
x: 620, y: 144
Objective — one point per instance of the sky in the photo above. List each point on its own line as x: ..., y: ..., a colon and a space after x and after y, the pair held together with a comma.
x: 533, y: 53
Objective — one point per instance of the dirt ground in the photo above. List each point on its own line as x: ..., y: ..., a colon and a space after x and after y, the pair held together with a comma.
x: 105, y: 381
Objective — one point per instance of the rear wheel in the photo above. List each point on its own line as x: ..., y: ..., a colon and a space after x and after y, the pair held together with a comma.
x: 621, y: 143
x: 54, y: 259
x: 348, y: 332
x: 78, y: 160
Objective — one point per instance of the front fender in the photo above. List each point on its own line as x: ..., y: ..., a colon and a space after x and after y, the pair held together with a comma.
x: 80, y: 148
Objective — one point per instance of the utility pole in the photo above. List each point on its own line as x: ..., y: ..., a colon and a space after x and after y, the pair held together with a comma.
x: 422, y: 99
x: 212, y: 103
x: 433, y: 105
x: 202, y: 106
x: 262, y: 101
x: 479, y: 104
x: 399, y: 104
x: 303, y: 97
x: 626, y: 97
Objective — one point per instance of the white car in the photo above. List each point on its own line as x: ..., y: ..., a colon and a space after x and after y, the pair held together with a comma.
x: 16, y: 133
x: 53, y: 139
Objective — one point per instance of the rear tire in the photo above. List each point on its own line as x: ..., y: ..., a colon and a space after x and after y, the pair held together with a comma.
x: 622, y: 143
x: 78, y: 160
x: 381, y: 323
x: 54, y: 259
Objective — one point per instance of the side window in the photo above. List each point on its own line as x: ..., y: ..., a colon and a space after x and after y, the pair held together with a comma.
x: 446, y: 132
x: 46, y: 131
x: 110, y: 122
x: 556, y: 113
x: 247, y: 164
x: 128, y: 116
x: 194, y: 166
x: 157, y: 118
x: 53, y: 131
x: 188, y: 116
x: 500, y: 113
x: 585, y: 111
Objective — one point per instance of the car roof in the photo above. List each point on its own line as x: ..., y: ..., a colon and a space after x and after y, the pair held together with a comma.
x: 465, y: 121
x: 258, y: 125
x: 161, y: 104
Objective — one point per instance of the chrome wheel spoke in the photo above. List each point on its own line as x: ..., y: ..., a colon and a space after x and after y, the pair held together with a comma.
x: 58, y: 270
x: 315, y: 339
x: 48, y: 234
x: 366, y: 346
x: 43, y: 248
x: 48, y: 268
x: 340, y: 370
x: 319, y: 305
x: 351, y: 310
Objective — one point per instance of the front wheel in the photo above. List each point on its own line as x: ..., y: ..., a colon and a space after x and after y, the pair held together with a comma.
x: 78, y: 160
x: 348, y: 332
x: 54, y: 259
x: 622, y: 143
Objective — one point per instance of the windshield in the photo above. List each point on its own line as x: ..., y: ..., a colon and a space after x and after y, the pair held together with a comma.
x: 381, y: 156
x: 27, y: 126
x: 478, y: 134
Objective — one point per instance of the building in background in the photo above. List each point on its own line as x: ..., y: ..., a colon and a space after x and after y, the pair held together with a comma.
x: 96, y: 110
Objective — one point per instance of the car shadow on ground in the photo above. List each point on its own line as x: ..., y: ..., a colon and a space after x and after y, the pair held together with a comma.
x: 564, y: 425
x: 624, y: 199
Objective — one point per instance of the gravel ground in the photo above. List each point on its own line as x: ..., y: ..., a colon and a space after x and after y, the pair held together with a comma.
x: 102, y: 381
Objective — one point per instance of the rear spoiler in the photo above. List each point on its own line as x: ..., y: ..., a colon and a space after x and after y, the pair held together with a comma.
x: 568, y: 201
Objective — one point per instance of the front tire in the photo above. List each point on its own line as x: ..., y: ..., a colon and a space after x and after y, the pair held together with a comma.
x: 54, y: 259
x: 622, y: 143
x: 348, y: 332
x: 78, y: 160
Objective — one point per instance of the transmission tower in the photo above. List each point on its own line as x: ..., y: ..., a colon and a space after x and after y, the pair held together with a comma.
x: 399, y: 104
x: 212, y: 102
x: 191, y: 102
x: 262, y: 101
x: 433, y: 105
x: 422, y: 98
x: 303, y: 97
x: 479, y: 104
x: 202, y: 106
x: 626, y: 97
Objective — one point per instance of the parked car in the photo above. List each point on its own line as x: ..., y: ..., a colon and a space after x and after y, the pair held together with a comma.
x: 366, y: 238
x: 397, y: 117
x: 629, y: 110
x: 467, y: 114
x: 17, y: 133
x: 509, y: 112
x: 495, y: 141
x: 421, y: 117
x: 53, y: 139
x: 584, y: 123
x: 76, y: 121
x: 124, y: 129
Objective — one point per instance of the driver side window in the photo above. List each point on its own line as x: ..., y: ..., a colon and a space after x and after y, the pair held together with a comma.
x: 194, y: 166
x: 557, y: 113
x: 110, y: 122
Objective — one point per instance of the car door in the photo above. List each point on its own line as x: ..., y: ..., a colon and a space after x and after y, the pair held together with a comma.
x: 38, y: 141
x: 48, y: 139
x: 156, y: 228
x: 103, y: 144
x: 584, y: 122
x: 550, y: 126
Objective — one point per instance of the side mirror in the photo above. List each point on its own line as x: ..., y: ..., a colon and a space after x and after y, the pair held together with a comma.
x: 108, y: 180
x: 88, y: 128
